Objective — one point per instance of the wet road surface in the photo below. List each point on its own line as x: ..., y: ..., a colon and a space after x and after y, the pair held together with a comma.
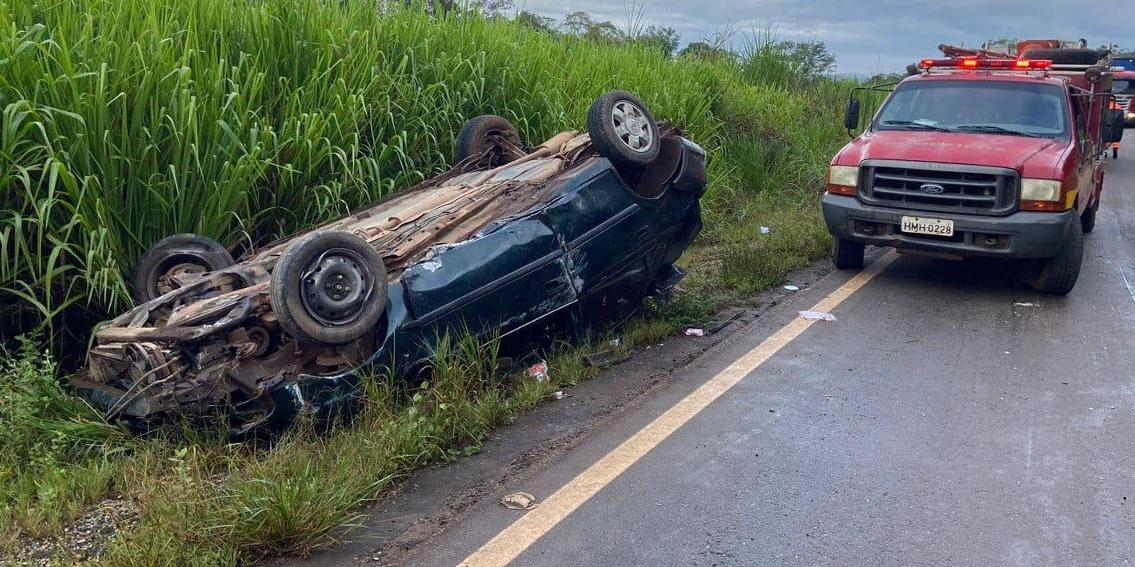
x: 950, y: 416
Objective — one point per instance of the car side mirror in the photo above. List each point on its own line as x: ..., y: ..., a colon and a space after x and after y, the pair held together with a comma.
x: 851, y: 117
x: 1113, y: 126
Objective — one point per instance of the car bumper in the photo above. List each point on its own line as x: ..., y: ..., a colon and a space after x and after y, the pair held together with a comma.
x: 1018, y: 235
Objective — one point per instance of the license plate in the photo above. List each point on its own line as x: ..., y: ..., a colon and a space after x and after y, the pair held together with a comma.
x: 922, y: 225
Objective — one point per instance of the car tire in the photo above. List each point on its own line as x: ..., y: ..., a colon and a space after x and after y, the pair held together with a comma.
x: 1088, y: 219
x: 1058, y: 274
x: 623, y: 130
x: 178, y: 252
x: 328, y: 287
x: 484, y: 133
x: 847, y: 255
x: 1065, y: 56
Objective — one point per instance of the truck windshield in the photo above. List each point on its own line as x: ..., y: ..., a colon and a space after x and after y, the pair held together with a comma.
x: 1124, y: 87
x: 988, y: 107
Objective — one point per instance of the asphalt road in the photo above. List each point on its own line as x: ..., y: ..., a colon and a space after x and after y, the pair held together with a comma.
x: 950, y: 416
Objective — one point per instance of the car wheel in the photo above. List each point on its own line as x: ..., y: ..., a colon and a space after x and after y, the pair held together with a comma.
x: 485, y: 134
x: 1088, y: 219
x: 328, y: 288
x: 623, y: 130
x: 847, y: 255
x: 1058, y: 274
x: 172, y: 259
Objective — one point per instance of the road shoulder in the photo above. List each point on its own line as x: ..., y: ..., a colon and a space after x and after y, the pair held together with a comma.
x: 440, y: 498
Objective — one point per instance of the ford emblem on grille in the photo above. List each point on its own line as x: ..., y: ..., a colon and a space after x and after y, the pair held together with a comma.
x: 932, y: 189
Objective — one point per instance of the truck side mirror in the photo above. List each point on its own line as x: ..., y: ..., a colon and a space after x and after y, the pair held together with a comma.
x: 851, y: 117
x: 1113, y: 126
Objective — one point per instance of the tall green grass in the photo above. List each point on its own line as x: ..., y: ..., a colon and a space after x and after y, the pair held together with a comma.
x: 125, y: 121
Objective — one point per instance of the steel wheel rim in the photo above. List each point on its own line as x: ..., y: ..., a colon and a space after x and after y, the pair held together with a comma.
x: 335, y: 287
x: 632, y: 126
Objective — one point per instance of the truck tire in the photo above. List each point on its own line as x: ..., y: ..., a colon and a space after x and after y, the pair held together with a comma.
x: 329, y: 288
x: 1065, y: 56
x: 847, y: 255
x: 623, y: 130
x: 177, y: 253
x: 1088, y: 219
x: 481, y: 134
x: 1058, y: 274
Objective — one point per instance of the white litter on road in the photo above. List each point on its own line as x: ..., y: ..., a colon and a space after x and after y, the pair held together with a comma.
x: 695, y: 332
x: 817, y: 316
x: 1020, y: 304
x: 791, y: 288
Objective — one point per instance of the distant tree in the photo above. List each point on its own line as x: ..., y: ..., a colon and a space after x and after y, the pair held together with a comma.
x: 882, y: 78
x: 581, y: 24
x: 704, y: 51
x: 662, y: 39
x: 808, y: 59
x: 491, y: 8
x: 536, y: 21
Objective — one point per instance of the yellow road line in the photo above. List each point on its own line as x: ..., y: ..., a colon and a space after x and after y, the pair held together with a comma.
x: 511, y: 542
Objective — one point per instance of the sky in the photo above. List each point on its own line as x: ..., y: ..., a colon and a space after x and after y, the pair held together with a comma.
x: 869, y: 36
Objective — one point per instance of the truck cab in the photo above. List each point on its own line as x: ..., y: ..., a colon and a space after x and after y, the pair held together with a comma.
x: 1124, y: 88
x: 973, y: 157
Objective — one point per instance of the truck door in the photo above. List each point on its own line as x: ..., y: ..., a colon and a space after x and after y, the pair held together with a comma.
x: 1086, y: 140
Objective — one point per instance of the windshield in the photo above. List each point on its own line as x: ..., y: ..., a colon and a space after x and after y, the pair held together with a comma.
x: 1125, y: 87
x: 1005, y: 108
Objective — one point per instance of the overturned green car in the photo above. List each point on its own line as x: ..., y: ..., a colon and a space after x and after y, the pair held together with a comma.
x: 520, y: 244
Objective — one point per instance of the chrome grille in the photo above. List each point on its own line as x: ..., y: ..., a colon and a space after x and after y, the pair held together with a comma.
x: 939, y: 187
x: 1124, y: 102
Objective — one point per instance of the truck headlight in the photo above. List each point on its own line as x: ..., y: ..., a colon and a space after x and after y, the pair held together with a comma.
x: 842, y: 179
x: 1040, y: 190
x: 1045, y: 195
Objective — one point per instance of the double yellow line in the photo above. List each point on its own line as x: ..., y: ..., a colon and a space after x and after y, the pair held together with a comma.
x: 511, y: 542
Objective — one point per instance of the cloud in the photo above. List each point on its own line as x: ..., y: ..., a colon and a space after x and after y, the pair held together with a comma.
x: 867, y: 36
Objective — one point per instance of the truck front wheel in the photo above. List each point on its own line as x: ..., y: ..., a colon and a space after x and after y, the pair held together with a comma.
x: 1058, y: 274
x: 847, y: 255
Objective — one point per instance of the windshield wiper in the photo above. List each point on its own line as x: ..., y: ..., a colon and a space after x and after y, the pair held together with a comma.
x: 996, y: 130
x: 913, y: 124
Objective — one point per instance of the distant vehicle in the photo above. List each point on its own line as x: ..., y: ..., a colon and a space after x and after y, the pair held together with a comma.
x: 509, y: 243
x: 1125, y: 61
x: 1124, y: 89
x: 980, y: 156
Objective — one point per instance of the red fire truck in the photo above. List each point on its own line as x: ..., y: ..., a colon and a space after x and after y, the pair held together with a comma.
x: 979, y: 156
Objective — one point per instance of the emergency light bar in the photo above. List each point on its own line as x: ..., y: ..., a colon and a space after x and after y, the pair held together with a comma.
x: 973, y: 63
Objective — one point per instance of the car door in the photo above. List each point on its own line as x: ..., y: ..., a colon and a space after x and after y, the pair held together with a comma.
x: 505, y: 281
x: 607, y: 235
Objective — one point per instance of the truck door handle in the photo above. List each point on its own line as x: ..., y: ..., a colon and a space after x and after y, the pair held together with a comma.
x: 554, y: 285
